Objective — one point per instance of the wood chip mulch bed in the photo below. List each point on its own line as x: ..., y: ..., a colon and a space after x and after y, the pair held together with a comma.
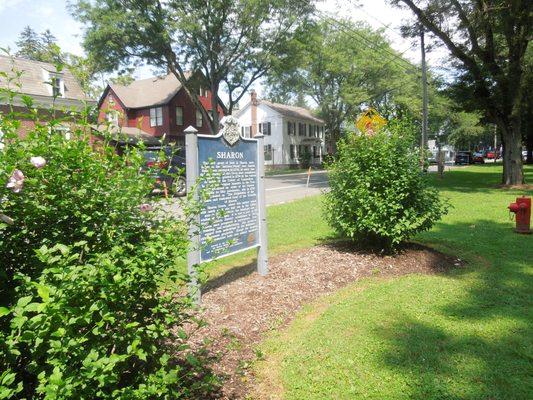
x: 241, y: 306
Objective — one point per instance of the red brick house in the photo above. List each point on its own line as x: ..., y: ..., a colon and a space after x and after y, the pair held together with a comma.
x: 48, y: 87
x: 149, y: 109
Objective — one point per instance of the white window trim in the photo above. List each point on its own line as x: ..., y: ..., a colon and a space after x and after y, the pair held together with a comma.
x: 156, y: 116
x: 199, y: 119
x: 180, y: 117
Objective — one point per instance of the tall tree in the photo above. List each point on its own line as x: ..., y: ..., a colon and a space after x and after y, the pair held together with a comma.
x: 489, y: 40
x: 339, y: 65
x: 38, y: 47
x: 231, y: 42
x: 29, y: 44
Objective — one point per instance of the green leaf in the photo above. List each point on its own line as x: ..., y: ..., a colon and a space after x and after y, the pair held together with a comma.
x: 4, y: 311
x: 24, y: 301
x: 43, y: 292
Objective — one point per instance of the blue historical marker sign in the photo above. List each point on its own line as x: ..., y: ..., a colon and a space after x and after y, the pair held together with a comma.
x: 229, y: 221
x: 233, y: 218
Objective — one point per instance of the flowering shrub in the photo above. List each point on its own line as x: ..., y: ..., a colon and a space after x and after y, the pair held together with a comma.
x: 379, y: 195
x: 82, y: 257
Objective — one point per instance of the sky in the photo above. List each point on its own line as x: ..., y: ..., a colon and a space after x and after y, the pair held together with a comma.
x: 53, y: 15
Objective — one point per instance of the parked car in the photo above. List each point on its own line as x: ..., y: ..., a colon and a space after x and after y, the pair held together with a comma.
x: 167, y: 166
x: 464, y: 157
x: 491, y: 155
x: 478, y: 158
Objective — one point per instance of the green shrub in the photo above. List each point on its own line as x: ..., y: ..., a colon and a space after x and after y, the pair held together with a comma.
x: 379, y: 196
x: 82, y: 313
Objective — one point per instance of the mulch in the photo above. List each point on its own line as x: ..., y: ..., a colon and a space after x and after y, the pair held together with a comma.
x: 241, y: 306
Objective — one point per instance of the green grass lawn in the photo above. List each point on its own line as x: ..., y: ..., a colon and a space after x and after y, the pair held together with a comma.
x: 467, y: 334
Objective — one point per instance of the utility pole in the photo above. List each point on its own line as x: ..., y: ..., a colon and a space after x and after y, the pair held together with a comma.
x: 424, y: 138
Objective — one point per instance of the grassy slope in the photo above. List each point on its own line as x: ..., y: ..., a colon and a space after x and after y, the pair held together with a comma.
x: 464, y: 335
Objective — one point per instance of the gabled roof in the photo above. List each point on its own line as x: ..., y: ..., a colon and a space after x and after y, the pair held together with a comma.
x: 148, y: 92
x: 288, y: 111
x: 33, y: 78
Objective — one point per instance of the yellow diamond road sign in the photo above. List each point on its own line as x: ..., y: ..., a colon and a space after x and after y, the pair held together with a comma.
x: 370, y: 122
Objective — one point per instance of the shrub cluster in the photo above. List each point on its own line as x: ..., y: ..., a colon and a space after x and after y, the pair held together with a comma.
x: 379, y: 195
x: 83, y: 257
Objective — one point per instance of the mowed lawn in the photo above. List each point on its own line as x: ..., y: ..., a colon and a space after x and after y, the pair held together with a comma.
x: 466, y: 334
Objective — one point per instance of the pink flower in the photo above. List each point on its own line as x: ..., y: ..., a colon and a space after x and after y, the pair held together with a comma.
x: 145, y: 207
x: 16, y: 181
x: 38, y: 162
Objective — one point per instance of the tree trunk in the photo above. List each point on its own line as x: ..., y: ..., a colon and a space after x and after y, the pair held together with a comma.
x: 214, y: 108
x: 513, y: 173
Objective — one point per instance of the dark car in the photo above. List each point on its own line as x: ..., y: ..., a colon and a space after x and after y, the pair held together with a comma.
x: 464, y: 157
x: 167, y: 166
x: 478, y: 158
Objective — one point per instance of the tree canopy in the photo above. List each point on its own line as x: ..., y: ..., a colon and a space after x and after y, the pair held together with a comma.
x: 232, y: 43
x: 488, y: 41
x: 339, y: 66
x: 38, y: 47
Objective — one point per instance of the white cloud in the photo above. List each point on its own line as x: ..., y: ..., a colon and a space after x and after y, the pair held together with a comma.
x: 5, y: 4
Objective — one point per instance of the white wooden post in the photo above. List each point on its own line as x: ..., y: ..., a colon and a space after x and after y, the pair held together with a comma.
x: 193, y: 256
x: 262, y: 251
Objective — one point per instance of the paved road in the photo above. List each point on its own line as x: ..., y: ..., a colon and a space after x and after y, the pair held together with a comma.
x: 288, y: 187
x: 284, y: 188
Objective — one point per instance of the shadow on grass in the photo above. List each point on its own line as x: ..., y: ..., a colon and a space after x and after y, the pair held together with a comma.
x: 467, y: 366
x: 493, y: 359
x: 467, y: 180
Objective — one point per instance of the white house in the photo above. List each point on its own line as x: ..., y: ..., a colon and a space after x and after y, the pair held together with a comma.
x: 291, y: 133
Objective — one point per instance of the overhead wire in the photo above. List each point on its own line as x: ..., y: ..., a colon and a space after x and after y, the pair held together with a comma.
x: 388, y: 55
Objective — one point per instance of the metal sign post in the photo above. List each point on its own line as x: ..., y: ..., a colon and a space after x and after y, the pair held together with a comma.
x: 262, y: 251
x: 193, y: 256
x: 231, y: 169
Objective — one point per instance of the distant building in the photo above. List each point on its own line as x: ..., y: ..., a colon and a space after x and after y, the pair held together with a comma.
x: 291, y: 133
x: 48, y: 88
x: 449, y: 151
x: 149, y: 109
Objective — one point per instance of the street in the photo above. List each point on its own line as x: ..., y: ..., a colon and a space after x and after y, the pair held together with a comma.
x: 289, y: 187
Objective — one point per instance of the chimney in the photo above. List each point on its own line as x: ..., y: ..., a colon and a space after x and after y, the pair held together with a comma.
x: 253, y: 105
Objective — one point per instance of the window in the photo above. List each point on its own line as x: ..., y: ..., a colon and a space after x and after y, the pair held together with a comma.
x: 179, y: 115
x: 301, y: 129
x: 293, y: 151
x: 268, y: 152
x: 202, y: 92
x: 111, y: 100
x: 199, y: 119
x: 112, y: 117
x: 291, y: 128
x: 156, y: 116
x: 246, y: 131
x: 265, y: 128
x: 57, y: 86
x: 64, y: 130
x: 315, y: 152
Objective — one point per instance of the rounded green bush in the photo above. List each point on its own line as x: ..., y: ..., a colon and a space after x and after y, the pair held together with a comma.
x: 378, y: 194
